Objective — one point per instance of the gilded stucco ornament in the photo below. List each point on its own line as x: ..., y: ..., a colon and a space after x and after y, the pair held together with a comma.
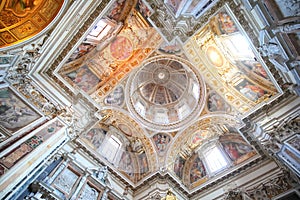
x: 22, y: 20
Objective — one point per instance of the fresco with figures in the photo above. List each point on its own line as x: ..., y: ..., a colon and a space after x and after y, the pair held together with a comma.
x: 115, y: 98
x: 173, y: 48
x: 249, y: 90
x: 223, y: 53
x: 161, y: 141
x: 178, y: 166
x: 143, y: 9
x: 198, y: 170
x: 143, y: 164
x: 14, y: 112
x: 121, y: 48
x: 107, y: 58
x: 252, y: 67
x: 116, y: 10
x: 21, y: 20
x: 127, y: 165
x: 216, y: 103
x: 83, y: 78
x: 82, y: 50
x: 95, y: 137
x: 236, y: 147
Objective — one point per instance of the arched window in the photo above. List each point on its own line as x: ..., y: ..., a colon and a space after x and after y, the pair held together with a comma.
x: 214, y: 158
x: 99, y: 31
x: 111, y: 148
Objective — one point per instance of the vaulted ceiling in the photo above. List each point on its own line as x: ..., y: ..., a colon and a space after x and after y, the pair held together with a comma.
x: 173, y: 93
x: 169, y: 80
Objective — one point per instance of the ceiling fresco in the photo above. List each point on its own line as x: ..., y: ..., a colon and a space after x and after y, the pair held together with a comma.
x: 135, y: 158
x: 21, y: 20
x: 15, y: 113
x: 214, y: 49
x: 165, y: 93
x: 167, y: 105
x: 108, y: 64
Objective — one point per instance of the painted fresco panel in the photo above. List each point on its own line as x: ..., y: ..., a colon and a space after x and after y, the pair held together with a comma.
x: 95, y: 136
x: 191, y: 7
x: 15, y: 155
x: 14, y: 112
x: 161, y: 142
x: 198, y: 138
x: 116, y: 10
x: 175, y: 5
x: 10, y: 159
x: 178, y: 166
x: 80, y: 51
x: 254, y: 67
x: 216, y: 103
x: 143, y: 9
x: 173, y: 48
x: 84, y: 78
x: 143, y: 163
x: 250, y: 91
x: 126, y: 164
x: 226, y: 23
x: 121, y: 48
x: 236, y: 147
x: 116, y: 97
x: 198, y: 170
x: 231, y: 64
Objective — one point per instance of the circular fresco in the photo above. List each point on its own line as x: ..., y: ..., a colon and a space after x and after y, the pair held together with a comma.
x: 121, y: 48
x: 214, y: 56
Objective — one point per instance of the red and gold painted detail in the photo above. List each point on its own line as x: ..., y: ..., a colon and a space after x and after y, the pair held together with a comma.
x: 125, y: 69
x: 121, y: 48
x: 22, y: 19
x: 114, y: 62
x: 121, y: 9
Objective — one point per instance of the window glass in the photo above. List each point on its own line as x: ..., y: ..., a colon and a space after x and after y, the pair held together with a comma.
x: 110, y: 148
x: 215, y: 159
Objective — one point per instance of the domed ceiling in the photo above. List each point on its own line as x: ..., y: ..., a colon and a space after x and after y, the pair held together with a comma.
x: 162, y: 93
x: 167, y: 102
x: 165, y: 93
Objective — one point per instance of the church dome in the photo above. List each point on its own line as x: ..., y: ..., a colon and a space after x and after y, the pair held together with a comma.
x: 165, y: 93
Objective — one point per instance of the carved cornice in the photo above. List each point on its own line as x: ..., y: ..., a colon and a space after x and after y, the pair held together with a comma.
x: 266, y: 108
x: 218, y: 182
x: 273, y: 187
x: 95, y: 158
x: 171, y: 27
